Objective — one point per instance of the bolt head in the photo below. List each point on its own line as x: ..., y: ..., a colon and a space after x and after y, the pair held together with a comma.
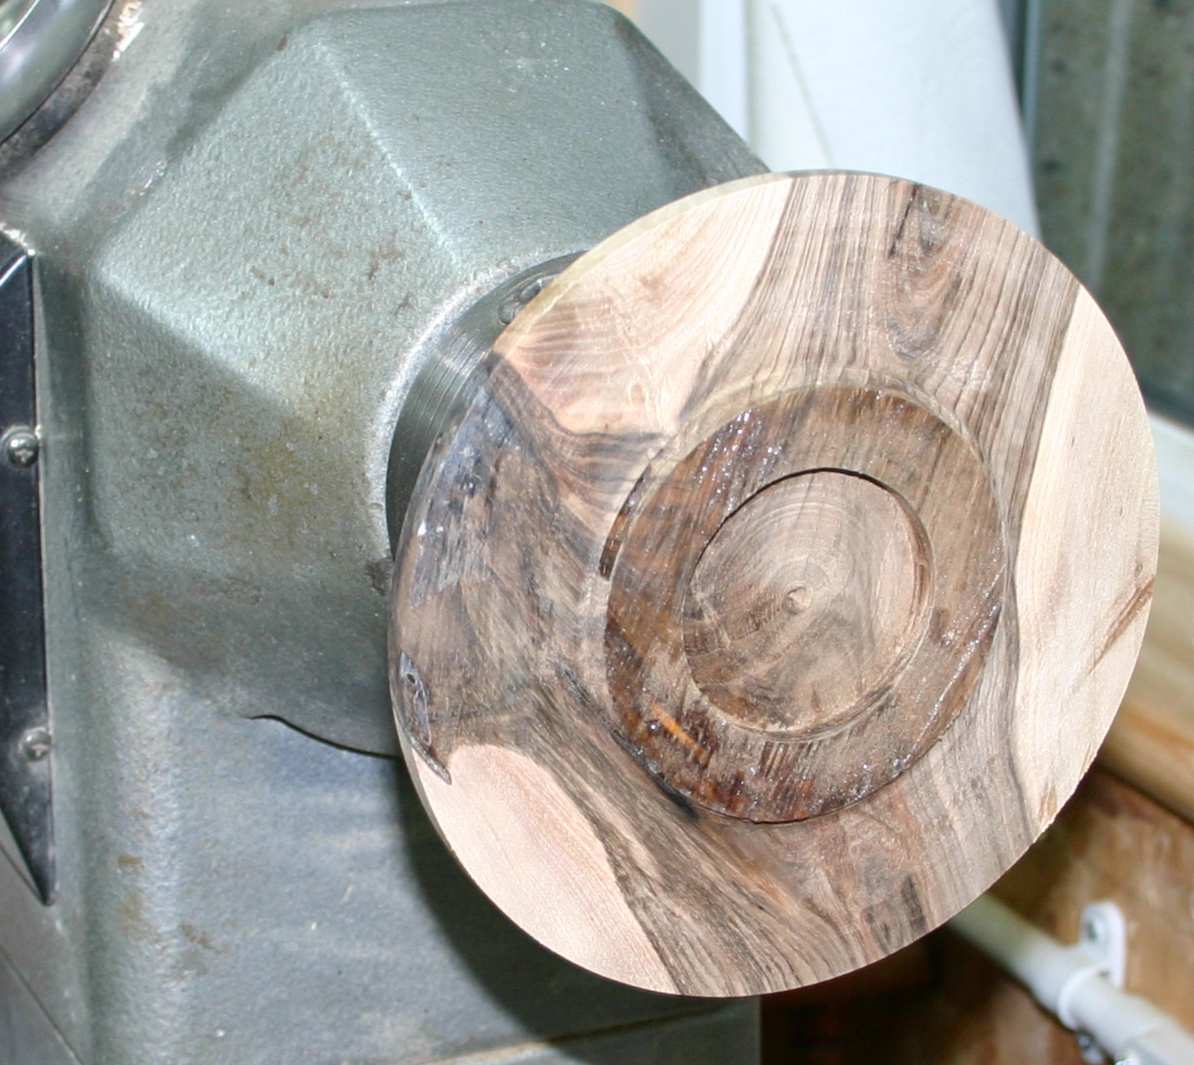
x: 513, y: 304
x: 1092, y: 929
x: 35, y: 743
x: 20, y: 447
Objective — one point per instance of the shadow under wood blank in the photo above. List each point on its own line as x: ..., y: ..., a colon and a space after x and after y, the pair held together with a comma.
x: 774, y: 582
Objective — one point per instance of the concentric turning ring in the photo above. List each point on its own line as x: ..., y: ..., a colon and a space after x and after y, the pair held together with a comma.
x: 938, y: 600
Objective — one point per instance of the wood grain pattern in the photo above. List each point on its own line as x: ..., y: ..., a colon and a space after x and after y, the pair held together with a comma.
x: 829, y: 755
x: 1151, y: 742
x: 776, y: 583
x: 805, y: 600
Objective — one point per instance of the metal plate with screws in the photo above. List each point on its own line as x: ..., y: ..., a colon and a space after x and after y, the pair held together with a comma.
x: 24, y: 717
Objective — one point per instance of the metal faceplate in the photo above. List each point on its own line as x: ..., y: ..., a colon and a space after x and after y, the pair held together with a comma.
x: 251, y: 238
x: 24, y: 715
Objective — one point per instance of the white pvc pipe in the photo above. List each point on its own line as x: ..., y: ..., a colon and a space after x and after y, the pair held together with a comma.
x: 1067, y: 982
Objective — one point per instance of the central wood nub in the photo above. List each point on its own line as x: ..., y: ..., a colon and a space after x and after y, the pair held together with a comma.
x: 804, y: 602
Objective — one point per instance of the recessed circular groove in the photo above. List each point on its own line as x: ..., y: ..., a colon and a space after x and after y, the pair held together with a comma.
x: 704, y: 683
x: 806, y: 602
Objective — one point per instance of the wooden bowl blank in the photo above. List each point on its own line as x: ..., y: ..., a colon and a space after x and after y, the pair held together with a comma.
x: 776, y: 582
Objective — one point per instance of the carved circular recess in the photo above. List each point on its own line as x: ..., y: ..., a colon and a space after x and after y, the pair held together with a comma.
x: 778, y: 701
x: 805, y: 601
x: 774, y: 582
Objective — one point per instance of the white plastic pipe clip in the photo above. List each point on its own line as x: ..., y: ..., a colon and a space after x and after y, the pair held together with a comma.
x: 1103, y: 938
x: 1081, y: 984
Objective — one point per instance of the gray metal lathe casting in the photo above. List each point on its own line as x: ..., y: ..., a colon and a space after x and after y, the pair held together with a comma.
x: 256, y: 232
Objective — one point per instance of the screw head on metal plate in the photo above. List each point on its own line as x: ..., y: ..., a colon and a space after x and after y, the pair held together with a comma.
x: 20, y: 446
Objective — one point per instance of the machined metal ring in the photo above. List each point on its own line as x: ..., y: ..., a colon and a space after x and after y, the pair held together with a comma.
x: 40, y: 40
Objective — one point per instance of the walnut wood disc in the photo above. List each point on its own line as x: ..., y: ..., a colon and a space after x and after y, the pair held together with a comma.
x: 775, y: 582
